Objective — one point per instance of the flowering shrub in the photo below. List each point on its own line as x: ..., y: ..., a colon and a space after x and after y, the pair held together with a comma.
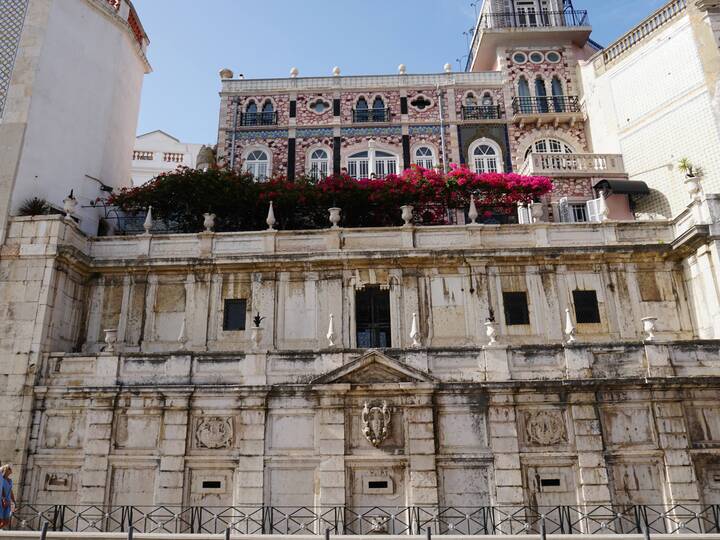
x: 241, y: 203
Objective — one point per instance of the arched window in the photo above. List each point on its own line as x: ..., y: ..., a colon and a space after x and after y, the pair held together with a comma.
x: 251, y: 107
x: 361, y: 110
x: 549, y: 146
x: 487, y: 100
x: 268, y: 114
x: 371, y: 163
x: 541, y: 95
x: 378, y: 110
x: 257, y: 163
x: 250, y: 118
x: 424, y: 157
x: 558, y: 95
x: 485, y: 157
x: 524, y: 95
x: 470, y: 100
x: 319, y: 164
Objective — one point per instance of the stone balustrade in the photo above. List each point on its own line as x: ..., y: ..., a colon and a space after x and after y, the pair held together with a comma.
x: 597, y: 361
x: 574, y: 165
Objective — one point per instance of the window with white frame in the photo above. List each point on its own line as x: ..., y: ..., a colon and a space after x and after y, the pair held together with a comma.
x: 319, y: 164
x: 485, y: 157
x: 372, y: 163
x: 424, y: 157
x: 257, y: 163
x: 549, y: 146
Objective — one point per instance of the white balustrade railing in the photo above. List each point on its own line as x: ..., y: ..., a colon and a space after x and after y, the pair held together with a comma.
x: 546, y: 164
x: 658, y: 19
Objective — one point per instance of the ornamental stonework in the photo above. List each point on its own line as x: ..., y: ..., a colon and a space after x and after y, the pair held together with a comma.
x: 545, y: 428
x: 376, y: 423
x: 214, y: 432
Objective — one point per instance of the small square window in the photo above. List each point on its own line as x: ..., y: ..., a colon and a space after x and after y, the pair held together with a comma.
x: 234, y: 317
x: 579, y: 211
x: 516, y: 308
x: 587, y: 310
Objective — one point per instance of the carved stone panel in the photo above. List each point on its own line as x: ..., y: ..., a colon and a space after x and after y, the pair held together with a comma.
x: 376, y: 422
x: 64, y: 431
x: 214, y: 432
x: 543, y: 427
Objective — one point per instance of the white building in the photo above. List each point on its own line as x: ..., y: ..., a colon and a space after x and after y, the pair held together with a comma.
x: 71, y: 73
x: 158, y: 152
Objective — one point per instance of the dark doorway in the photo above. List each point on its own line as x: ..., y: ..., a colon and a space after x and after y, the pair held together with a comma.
x: 372, y: 318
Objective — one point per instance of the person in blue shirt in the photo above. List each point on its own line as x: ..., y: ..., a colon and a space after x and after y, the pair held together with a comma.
x: 7, y: 497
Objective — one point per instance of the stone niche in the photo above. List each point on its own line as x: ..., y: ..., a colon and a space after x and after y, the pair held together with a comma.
x: 704, y: 425
x: 291, y: 431
x: 290, y: 484
x: 211, y: 487
x: 637, y: 482
x: 464, y: 484
x: 381, y: 484
x: 133, y: 485
x: 461, y: 430
x: 57, y: 484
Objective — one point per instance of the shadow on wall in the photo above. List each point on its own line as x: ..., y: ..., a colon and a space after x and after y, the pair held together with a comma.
x: 654, y: 203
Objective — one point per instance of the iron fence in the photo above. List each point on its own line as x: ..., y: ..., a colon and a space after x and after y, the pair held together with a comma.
x: 481, y: 112
x: 345, y: 520
x: 534, y: 18
x: 264, y: 118
x: 546, y: 105
x: 370, y: 115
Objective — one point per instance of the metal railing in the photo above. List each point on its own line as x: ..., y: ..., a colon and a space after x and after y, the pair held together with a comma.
x: 370, y: 115
x: 484, y: 520
x: 269, y: 118
x: 546, y: 105
x: 481, y: 112
x: 535, y: 19
x: 658, y: 19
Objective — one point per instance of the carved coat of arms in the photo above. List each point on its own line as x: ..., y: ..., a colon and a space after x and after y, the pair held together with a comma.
x: 376, y: 423
x: 546, y: 428
x: 214, y: 432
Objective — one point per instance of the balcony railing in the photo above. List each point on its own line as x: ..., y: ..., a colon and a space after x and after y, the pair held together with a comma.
x: 553, y: 165
x: 259, y: 119
x: 546, y: 105
x: 371, y: 115
x: 481, y: 112
x: 531, y: 18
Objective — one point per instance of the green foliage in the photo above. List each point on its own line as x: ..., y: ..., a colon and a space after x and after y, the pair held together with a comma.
x: 35, y: 207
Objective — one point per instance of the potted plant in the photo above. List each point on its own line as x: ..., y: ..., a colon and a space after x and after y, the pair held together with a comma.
x: 691, y: 177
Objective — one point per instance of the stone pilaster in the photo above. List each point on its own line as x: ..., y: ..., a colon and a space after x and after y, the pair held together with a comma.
x: 98, y: 435
x: 172, y: 446
x: 674, y: 440
x: 421, y: 450
x: 251, y: 445
x: 332, y: 447
x: 502, y: 424
x: 592, y: 470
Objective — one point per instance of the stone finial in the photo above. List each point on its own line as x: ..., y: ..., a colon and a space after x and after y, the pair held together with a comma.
x: 331, y: 336
x: 473, y: 212
x: 69, y: 206
x: 536, y: 212
x: 182, y: 337
x: 448, y: 67
x: 336, y: 71
x: 569, y: 327
x: 271, y: 218
x: 110, y: 339
x: 491, y: 332
x: 406, y: 212
x: 402, y: 69
x: 294, y: 72
x: 226, y: 73
x: 649, y: 327
x: 415, y: 332
x: 148, y: 225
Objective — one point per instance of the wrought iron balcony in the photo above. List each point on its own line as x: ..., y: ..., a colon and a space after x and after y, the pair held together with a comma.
x: 546, y: 105
x: 535, y: 19
x: 259, y: 119
x: 481, y: 112
x: 361, y: 116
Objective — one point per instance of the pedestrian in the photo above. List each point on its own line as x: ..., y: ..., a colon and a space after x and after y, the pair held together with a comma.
x: 7, y: 497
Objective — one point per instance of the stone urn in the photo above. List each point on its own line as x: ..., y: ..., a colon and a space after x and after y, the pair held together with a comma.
x: 256, y: 336
x: 649, y: 327
x: 110, y: 339
x: 208, y: 222
x: 491, y: 332
x: 69, y: 206
x: 335, y: 216
x: 692, y: 185
x: 407, y: 214
x: 536, y: 212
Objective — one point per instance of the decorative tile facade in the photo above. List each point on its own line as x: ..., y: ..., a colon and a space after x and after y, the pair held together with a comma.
x: 12, y: 17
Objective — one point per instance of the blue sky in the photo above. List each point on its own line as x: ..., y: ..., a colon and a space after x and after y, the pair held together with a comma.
x: 191, y: 40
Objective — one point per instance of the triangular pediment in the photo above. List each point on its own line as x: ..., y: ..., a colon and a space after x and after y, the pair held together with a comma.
x: 374, y: 367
